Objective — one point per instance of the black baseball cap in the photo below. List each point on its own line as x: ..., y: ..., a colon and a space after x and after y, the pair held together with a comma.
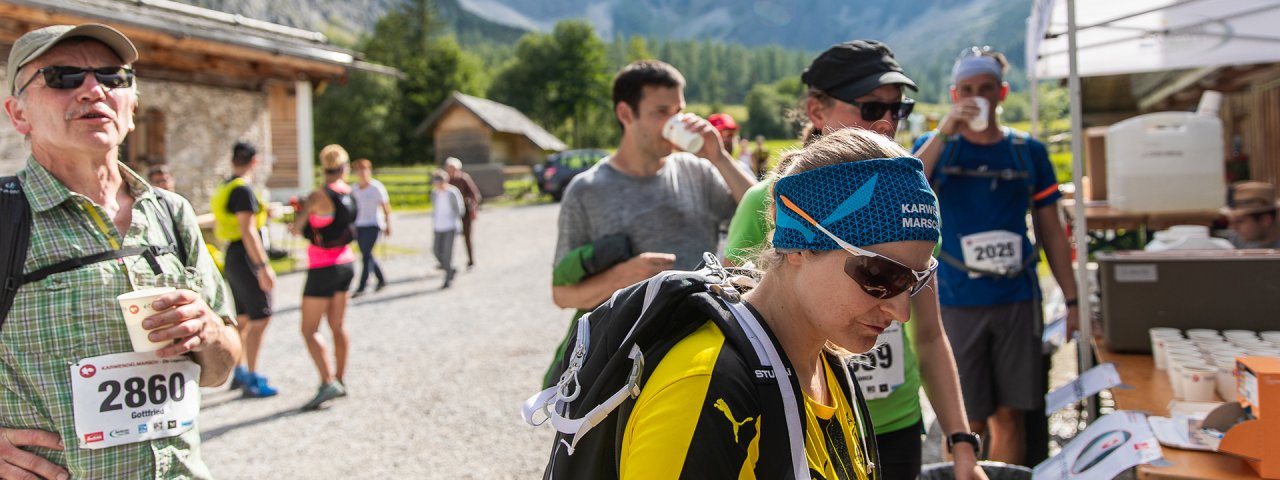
x: 852, y: 69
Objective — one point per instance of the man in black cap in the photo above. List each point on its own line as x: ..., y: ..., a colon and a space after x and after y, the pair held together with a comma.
x: 858, y: 84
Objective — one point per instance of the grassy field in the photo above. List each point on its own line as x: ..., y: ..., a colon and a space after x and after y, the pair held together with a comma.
x: 410, y: 188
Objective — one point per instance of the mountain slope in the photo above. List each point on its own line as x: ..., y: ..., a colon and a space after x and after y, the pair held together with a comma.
x: 926, y: 35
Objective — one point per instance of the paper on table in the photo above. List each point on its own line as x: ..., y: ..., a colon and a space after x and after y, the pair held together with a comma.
x: 1097, y: 378
x: 1177, y: 432
x: 1111, y: 445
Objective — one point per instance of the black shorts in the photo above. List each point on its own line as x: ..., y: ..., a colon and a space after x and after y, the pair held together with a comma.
x: 249, y: 298
x: 329, y: 281
x: 900, y: 452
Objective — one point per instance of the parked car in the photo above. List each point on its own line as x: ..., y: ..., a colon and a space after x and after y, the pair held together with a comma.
x: 554, y: 175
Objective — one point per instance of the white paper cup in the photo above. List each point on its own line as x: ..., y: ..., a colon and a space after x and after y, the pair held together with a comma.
x: 1160, y: 336
x: 1202, y: 333
x: 1199, y: 382
x: 683, y: 138
x: 136, y: 306
x: 1176, y: 362
x: 1249, y: 343
x: 1226, y: 381
x: 1230, y: 334
x: 979, y: 123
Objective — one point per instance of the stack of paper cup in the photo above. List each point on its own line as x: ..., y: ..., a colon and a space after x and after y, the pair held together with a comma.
x: 1203, y: 334
x: 1160, y: 335
x: 1244, y: 335
x: 1174, y: 345
x: 136, y: 306
x: 1272, y: 336
x: 1176, y: 361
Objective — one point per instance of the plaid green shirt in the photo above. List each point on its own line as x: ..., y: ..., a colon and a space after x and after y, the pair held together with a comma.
x: 73, y: 315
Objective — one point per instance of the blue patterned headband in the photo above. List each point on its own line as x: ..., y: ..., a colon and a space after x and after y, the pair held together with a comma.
x: 864, y: 203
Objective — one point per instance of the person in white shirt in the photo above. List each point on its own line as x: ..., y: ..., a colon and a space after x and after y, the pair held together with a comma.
x: 446, y: 215
x: 371, y: 196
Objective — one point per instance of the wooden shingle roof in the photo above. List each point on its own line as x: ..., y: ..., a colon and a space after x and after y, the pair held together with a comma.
x: 499, y: 117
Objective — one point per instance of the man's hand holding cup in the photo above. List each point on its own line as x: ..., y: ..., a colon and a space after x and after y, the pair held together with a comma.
x: 970, y: 113
x: 180, y: 321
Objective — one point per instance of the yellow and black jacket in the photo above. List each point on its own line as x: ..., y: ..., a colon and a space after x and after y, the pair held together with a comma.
x: 707, y: 406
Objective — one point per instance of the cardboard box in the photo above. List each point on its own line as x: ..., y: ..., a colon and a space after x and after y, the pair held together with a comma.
x: 1257, y: 441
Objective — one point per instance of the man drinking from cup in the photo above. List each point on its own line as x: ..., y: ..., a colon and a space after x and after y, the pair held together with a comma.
x: 665, y: 205
x: 78, y: 400
x: 987, y: 178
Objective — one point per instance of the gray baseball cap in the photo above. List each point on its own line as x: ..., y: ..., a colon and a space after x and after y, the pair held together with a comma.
x: 32, y: 45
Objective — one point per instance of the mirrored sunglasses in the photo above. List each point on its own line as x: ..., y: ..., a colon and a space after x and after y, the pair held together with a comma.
x: 64, y: 78
x: 879, y: 276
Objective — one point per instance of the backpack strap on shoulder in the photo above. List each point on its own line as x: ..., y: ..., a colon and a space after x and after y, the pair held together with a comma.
x: 13, y: 241
x: 171, y: 231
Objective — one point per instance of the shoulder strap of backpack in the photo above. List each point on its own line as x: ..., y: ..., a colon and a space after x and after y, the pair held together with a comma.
x: 13, y: 241
x: 171, y: 231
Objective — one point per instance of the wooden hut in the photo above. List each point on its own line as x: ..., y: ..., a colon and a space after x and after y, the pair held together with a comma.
x: 487, y: 136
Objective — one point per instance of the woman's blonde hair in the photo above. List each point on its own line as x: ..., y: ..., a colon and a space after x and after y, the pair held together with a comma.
x: 840, y: 146
x: 333, y: 157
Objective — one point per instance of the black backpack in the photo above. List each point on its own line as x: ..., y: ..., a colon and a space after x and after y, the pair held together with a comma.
x: 604, y: 369
x: 342, y: 230
x: 15, y: 241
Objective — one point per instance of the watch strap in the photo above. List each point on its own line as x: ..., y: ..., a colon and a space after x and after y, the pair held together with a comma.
x: 965, y: 437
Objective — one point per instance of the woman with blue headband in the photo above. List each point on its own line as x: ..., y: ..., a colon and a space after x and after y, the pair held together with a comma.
x: 856, y: 225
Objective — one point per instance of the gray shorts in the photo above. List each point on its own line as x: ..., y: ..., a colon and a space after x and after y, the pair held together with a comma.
x: 998, y: 353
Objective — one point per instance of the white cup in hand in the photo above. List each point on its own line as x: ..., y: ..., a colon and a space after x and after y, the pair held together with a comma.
x: 136, y: 306
x: 680, y: 136
x: 979, y: 123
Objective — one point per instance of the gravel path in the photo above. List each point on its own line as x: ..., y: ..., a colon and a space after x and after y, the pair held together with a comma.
x: 436, y: 377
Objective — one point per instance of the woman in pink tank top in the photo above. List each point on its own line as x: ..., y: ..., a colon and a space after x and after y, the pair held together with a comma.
x: 327, y: 219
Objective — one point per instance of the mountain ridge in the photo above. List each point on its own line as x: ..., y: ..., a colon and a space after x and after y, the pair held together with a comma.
x: 924, y: 34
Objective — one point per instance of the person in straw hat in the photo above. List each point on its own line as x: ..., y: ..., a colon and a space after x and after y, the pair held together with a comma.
x: 1251, y: 207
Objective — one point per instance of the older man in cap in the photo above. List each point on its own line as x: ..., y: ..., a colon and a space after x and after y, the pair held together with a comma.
x: 77, y: 399
x: 1251, y: 207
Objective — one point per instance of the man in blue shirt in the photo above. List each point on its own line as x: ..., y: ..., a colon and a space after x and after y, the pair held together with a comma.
x: 987, y: 178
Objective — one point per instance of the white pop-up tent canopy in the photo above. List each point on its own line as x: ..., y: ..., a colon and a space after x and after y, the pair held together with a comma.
x: 1132, y: 36
x: 1078, y: 38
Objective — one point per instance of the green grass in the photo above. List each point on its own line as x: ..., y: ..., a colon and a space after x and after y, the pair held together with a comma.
x: 738, y: 112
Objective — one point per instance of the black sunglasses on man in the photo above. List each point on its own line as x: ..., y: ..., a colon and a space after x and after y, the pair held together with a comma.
x: 65, y: 78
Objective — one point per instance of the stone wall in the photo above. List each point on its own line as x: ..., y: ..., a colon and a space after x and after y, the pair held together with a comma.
x: 201, y: 125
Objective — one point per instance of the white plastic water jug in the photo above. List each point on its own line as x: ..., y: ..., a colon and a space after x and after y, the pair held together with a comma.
x: 1166, y: 161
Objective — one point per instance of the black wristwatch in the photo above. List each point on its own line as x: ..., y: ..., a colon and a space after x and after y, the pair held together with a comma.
x: 965, y: 437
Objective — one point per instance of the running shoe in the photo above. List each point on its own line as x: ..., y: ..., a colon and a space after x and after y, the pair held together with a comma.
x: 240, y: 377
x: 328, y: 391
x: 342, y: 388
x: 257, y: 387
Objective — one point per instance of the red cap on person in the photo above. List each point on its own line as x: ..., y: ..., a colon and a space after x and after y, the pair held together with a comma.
x: 722, y: 122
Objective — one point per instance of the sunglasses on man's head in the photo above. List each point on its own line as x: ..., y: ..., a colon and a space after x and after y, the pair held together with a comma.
x: 878, y: 275
x: 872, y: 111
x: 63, y: 78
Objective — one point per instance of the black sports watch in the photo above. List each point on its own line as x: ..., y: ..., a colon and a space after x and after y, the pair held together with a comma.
x: 965, y: 437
